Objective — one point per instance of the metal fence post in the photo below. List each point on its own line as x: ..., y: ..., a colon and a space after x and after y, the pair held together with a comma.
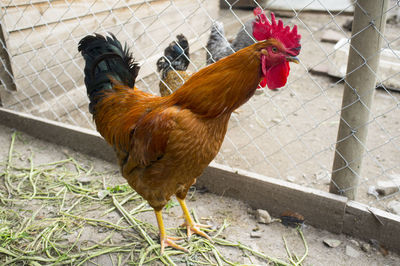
x: 366, y: 42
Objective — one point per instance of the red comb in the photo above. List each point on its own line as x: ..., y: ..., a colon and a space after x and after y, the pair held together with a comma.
x: 263, y: 30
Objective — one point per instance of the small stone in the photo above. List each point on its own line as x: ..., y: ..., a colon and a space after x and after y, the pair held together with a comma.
x: 366, y: 247
x: 331, y: 36
x: 351, y: 252
x: 332, y: 243
x: 102, y: 194
x: 84, y: 180
x: 263, y: 216
x: 387, y: 187
x: 372, y: 191
x: 394, y: 207
x: 291, y: 178
x: 323, y: 174
x: 355, y: 242
x: 276, y: 120
x: 323, y: 177
x: 255, y: 229
x: 256, y: 234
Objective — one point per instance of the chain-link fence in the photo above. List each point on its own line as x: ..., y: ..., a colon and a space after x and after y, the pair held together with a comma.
x: 290, y: 134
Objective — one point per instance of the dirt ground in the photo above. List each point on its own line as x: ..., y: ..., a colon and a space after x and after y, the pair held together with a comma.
x: 83, y: 232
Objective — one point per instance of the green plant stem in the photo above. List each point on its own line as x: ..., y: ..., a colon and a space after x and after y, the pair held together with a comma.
x: 305, y: 246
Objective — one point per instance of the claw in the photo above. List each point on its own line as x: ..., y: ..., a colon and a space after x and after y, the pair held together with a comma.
x: 167, y: 241
x: 191, y: 226
x: 175, y: 237
x: 195, y: 228
x: 198, y: 225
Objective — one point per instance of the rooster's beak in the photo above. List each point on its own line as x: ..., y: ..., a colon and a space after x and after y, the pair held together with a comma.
x: 293, y: 59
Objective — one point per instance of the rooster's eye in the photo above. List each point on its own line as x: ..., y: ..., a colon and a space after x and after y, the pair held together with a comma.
x: 274, y: 49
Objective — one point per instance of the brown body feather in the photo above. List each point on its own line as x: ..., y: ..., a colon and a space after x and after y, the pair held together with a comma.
x: 164, y: 143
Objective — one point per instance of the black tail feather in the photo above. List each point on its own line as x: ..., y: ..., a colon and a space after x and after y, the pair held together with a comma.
x: 176, y: 56
x: 104, y: 57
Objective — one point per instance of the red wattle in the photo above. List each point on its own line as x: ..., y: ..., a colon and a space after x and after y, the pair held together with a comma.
x: 264, y: 72
x: 277, y: 75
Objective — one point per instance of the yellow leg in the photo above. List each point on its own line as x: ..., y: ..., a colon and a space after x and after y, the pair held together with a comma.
x: 166, y: 241
x: 191, y: 226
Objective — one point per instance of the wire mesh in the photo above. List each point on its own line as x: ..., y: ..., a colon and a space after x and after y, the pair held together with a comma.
x: 289, y: 134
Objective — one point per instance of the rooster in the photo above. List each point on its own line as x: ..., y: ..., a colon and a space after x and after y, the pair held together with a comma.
x: 173, y: 65
x: 164, y: 143
x: 217, y: 45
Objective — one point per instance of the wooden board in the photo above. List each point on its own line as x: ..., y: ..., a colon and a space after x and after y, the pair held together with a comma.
x: 41, y: 13
x: 146, y: 19
x: 226, y: 4
x: 63, y: 104
x: 34, y: 61
x: 20, y: 3
x: 53, y: 81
